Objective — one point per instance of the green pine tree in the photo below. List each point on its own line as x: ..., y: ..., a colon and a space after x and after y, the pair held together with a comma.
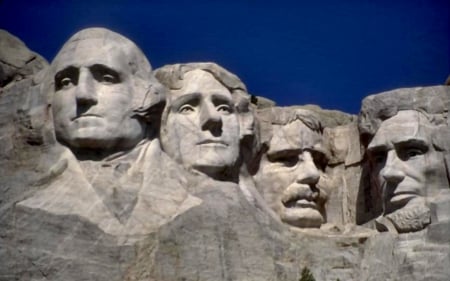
x: 307, y: 275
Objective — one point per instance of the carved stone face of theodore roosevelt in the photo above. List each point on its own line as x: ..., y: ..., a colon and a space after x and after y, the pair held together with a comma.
x: 289, y: 174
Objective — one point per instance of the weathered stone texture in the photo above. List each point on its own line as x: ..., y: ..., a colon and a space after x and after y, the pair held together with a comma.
x: 207, y: 181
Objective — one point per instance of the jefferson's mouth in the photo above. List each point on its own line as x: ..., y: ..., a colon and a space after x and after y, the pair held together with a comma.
x: 86, y: 115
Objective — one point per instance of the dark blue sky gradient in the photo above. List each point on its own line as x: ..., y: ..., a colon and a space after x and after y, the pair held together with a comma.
x: 330, y: 53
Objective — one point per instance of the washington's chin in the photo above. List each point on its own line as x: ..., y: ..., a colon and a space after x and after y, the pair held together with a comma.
x: 302, y: 217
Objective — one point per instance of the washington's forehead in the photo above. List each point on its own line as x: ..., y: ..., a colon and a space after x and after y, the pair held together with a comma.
x: 406, y: 125
x: 295, y: 135
x: 89, y: 52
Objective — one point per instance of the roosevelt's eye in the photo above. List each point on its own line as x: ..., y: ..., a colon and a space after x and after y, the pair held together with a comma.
x: 287, y: 160
x: 224, y: 108
x: 378, y: 157
x: 186, y: 109
x: 320, y: 159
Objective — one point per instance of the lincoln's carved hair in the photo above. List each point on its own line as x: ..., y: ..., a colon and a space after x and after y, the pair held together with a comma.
x: 431, y: 103
x: 149, y: 94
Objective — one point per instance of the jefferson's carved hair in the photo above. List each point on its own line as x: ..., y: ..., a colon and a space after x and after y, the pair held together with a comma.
x: 172, y: 77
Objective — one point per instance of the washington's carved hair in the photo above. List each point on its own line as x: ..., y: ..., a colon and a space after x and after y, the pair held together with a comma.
x: 149, y: 94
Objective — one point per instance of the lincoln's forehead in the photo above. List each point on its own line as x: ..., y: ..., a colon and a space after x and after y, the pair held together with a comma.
x: 405, y: 125
x: 293, y: 136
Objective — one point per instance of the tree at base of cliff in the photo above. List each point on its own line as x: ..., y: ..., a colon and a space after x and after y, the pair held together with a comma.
x: 307, y: 275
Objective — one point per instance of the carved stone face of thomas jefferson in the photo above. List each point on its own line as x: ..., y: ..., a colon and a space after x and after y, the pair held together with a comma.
x: 289, y: 173
x: 92, y: 103
x: 407, y: 167
x: 202, y: 127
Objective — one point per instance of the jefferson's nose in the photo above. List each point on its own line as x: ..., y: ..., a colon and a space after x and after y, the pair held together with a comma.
x: 392, y: 171
x: 210, y: 119
x: 307, y: 171
x: 85, y: 90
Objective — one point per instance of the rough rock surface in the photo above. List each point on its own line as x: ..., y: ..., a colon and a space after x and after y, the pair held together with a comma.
x: 143, y: 213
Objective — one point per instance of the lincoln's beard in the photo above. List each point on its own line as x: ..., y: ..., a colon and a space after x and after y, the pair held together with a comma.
x: 410, y: 218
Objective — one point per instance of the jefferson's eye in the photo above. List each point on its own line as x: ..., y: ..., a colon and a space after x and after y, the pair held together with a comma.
x: 108, y: 78
x: 186, y: 109
x: 66, y: 81
x: 225, y: 108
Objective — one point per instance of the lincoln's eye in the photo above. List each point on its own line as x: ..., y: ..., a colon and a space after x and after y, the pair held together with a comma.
x: 411, y: 152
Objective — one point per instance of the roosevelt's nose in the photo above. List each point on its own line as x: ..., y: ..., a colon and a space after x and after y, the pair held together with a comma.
x: 210, y: 119
x: 307, y: 171
x: 85, y: 90
x: 392, y: 171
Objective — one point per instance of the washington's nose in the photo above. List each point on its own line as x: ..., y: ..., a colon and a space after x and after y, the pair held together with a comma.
x: 308, y: 172
x: 391, y: 171
x: 210, y: 119
x: 85, y: 91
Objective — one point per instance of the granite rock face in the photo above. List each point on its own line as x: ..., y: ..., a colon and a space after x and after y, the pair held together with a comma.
x: 110, y: 170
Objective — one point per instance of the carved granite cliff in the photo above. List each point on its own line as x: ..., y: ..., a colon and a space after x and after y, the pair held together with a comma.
x: 110, y: 170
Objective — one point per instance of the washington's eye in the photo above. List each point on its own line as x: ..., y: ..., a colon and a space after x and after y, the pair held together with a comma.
x: 186, y: 109
x: 105, y: 74
x: 66, y: 78
x: 224, y: 108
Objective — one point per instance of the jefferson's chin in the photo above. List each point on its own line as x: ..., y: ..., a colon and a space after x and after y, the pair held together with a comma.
x: 302, y: 217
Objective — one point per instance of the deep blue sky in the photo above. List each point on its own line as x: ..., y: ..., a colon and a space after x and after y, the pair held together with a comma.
x: 330, y: 53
